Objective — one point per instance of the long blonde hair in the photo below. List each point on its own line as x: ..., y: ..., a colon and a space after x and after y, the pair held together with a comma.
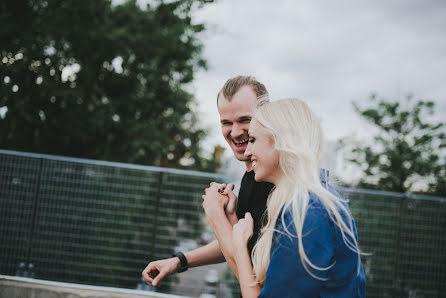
x: 298, y: 137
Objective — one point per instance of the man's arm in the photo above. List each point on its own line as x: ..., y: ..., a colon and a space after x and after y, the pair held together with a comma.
x: 211, y: 253
x: 155, y: 271
x: 205, y: 255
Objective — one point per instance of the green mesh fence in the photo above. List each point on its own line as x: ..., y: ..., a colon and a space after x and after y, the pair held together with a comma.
x: 100, y: 223
x: 405, y: 237
x: 92, y: 222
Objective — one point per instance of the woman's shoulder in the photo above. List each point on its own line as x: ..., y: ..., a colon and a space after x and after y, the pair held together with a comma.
x: 316, y: 204
x: 316, y: 218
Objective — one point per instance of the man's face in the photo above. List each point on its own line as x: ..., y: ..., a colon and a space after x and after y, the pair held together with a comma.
x: 235, y: 116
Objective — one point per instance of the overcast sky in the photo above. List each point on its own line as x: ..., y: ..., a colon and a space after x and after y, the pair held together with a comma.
x: 328, y: 53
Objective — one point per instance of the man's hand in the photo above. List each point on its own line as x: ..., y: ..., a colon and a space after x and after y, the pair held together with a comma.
x: 231, y: 206
x: 157, y: 270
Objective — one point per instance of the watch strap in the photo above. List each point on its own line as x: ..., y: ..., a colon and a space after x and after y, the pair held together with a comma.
x: 183, y: 261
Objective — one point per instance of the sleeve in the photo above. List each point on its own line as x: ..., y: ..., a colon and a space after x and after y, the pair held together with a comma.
x: 286, y: 276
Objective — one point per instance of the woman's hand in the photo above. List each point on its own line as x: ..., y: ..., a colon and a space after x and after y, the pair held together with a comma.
x: 219, y: 207
x: 242, y: 232
x: 214, y: 201
x: 220, y: 197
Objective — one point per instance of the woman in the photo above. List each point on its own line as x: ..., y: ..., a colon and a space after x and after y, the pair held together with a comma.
x: 309, y: 246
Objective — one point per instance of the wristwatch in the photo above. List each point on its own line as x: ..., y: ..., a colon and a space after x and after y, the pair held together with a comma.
x: 183, y: 261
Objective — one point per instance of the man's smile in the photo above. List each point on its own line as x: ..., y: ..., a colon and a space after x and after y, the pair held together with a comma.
x: 240, y: 143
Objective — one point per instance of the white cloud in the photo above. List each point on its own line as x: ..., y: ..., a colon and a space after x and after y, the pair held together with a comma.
x: 327, y: 53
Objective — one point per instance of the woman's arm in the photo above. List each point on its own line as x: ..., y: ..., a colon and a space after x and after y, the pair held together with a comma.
x: 242, y: 232
x: 286, y: 275
x: 220, y: 210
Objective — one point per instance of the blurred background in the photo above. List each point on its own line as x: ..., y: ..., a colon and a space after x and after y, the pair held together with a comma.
x: 109, y: 129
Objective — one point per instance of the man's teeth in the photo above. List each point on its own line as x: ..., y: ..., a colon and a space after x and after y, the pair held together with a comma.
x: 244, y: 141
x: 254, y: 163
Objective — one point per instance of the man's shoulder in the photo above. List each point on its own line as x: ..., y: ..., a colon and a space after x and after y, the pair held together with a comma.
x: 252, y: 195
x: 248, y: 177
x: 250, y: 186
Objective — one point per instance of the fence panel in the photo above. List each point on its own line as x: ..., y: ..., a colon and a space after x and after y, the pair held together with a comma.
x: 19, y: 179
x: 100, y: 223
x: 377, y: 221
x: 422, y: 259
x: 92, y: 222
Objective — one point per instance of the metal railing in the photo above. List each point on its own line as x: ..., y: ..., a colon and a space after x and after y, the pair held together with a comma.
x: 100, y: 223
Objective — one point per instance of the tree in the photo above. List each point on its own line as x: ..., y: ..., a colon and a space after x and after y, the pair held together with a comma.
x: 89, y: 79
x: 408, y: 148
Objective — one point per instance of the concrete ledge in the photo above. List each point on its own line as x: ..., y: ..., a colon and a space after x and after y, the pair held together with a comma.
x: 20, y: 287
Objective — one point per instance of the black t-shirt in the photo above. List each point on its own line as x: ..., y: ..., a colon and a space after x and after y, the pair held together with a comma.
x: 252, y: 198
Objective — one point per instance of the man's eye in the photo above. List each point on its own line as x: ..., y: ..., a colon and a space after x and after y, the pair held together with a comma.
x: 245, y: 120
x: 251, y: 139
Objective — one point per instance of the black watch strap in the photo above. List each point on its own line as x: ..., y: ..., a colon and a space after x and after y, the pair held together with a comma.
x: 183, y: 261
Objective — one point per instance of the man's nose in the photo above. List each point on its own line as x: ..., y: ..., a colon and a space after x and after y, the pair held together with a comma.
x: 237, y: 131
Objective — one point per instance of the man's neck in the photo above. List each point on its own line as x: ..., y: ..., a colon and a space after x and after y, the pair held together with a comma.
x: 248, y: 165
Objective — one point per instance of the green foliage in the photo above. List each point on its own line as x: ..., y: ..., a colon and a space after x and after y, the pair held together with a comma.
x: 212, y: 164
x: 408, y: 146
x: 89, y: 79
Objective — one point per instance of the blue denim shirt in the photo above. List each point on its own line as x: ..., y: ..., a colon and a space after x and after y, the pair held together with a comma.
x: 324, y: 246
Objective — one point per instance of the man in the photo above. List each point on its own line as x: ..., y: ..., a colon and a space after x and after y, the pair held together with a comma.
x: 236, y: 102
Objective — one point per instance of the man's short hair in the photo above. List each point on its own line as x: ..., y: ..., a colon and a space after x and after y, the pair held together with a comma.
x: 233, y: 85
